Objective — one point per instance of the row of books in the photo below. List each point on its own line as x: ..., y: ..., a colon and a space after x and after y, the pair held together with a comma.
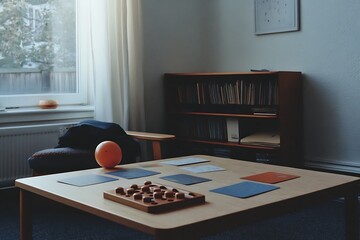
x: 203, y: 128
x: 225, y: 130
x: 254, y: 92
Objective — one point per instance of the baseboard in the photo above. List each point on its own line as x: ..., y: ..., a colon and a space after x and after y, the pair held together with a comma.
x: 345, y: 167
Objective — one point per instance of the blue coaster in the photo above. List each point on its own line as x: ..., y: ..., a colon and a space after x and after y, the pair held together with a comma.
x: 86, y: 180
x: 185, y: 179
x: 245, y: 189
x: 131, y: 173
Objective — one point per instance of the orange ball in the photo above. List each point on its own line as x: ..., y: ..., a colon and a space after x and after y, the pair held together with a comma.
x: 108, y: 154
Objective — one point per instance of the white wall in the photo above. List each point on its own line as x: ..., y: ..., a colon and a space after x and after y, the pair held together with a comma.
x: 214, y: 35
x: 175, y: 40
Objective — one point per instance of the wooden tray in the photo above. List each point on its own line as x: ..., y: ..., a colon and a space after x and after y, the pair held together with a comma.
x: 154, y: 198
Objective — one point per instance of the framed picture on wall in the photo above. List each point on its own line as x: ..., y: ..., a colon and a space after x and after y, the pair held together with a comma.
x: 274, y: 16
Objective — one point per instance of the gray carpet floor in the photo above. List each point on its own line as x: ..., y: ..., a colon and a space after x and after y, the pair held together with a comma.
x: 54, y: 222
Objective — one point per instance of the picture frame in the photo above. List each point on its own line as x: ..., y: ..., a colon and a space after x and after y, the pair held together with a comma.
x: 275, y: 16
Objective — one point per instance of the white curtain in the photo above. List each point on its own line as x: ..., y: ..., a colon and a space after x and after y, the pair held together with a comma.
x: 110, y: 43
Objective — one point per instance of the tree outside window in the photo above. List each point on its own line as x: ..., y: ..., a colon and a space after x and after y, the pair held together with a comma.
x: 37, y: 46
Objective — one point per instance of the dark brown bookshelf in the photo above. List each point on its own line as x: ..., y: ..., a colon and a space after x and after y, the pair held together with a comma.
x: 200, y: 107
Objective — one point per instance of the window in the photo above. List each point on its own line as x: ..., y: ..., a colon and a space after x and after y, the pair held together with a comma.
x: 38, y: 53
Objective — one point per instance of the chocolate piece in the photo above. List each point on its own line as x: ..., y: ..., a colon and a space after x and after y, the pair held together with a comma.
x: 158, y: 195
x: 137, y: 196
x: 180, y: 195
x: 156, y: 190
x: 134, y: 186
x: 120, y: 190
x: 145, y: 189
x: 169, y: 194
x: 130, y: 191
x: 147, y: 183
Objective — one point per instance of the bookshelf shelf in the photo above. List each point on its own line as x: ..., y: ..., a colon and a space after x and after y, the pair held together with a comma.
x: 231, y: 144
x: 228, y: 115
x: 215, y: 112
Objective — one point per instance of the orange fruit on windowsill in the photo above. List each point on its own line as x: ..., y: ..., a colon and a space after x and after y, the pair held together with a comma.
x: 48, y: 104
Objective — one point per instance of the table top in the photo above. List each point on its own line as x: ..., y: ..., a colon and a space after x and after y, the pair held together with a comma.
x: 151, y: 136
x: 217, y: 211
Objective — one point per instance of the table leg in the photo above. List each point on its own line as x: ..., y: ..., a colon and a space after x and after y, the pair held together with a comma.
x: 351, y: 216
x: 25, y: 215
x: 157, y: 150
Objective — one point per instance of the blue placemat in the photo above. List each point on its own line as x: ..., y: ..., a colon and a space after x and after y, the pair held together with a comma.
x: 185, y: 179
x: 131, y: 173
x: 245, y: 189
x: 86, y: 180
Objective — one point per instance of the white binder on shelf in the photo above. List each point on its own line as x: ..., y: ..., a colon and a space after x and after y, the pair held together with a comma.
x: 232, y: 125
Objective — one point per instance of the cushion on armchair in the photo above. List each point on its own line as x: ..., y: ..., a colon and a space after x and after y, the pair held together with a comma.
x: 55, y: 160
x: 89, y: 133
x: 76, y: 148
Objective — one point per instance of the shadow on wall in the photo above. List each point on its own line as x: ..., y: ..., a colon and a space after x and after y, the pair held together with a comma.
x: 321, y: 139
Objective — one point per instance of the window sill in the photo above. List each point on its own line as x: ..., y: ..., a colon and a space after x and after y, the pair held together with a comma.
x: 21, y: 116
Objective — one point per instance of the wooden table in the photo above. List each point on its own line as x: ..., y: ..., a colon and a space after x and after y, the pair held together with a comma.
x: 220, y: 212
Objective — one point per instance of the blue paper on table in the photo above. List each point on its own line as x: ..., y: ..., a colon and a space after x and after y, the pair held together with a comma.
x: 185, y: 161
x: 185, y: 179
x: 245, y: 189
x: 86, y: 180
x: 131, y: 173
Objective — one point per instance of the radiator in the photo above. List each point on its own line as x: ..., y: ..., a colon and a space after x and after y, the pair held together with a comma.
x: 18, y: 143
